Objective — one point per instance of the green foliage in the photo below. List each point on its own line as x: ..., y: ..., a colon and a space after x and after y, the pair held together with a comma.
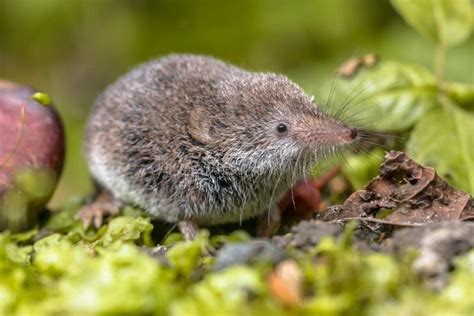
x: 61, y: 275
x: 457, y: 294
x: 185, y: 256
x: 460, y: 289
x: 446, y: 22
x: 224, y: 293
x: 462, y: 94
x: 445, y: 140
x: 434, y: 115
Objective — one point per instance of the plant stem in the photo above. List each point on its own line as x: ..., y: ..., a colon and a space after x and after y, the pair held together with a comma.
x: 440, y: 61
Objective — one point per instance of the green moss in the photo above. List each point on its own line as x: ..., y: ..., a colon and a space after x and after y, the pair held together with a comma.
x: 86, y: 272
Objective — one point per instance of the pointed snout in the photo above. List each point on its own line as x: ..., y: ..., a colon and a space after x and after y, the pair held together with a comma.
x: 346, y: 135
x: 351, y: 133
x: 324, y: 130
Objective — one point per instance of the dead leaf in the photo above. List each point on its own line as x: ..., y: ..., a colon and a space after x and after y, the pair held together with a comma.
x: 405, y: 193
x: 350, y: 67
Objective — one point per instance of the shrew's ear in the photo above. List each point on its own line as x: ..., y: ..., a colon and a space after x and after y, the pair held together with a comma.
x: 200, y: 125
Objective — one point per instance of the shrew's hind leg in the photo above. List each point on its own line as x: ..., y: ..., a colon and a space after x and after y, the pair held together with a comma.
x: 268, y: 223
x: 189, y: 229
x: 93, y: 213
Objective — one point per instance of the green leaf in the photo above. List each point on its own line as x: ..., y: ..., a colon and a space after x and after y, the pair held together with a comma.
x: 391, y: 96
x: 447, y: 22
x: 445, y: 141
x: 462, y: 94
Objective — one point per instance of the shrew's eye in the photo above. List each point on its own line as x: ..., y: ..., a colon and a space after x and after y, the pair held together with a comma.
x: 282, y: 128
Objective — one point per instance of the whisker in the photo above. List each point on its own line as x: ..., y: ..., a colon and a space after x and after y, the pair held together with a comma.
x: 270, y: 204
x: 293, y: 180
x: 349, y: 104
x: 348, y: 101
x: 173, y: 227
x: 352, y: 96
x: 332, y: 89
x: 304, y: 168
x: 375, y: 144
x: 335, y: 77
x: 383, y: 135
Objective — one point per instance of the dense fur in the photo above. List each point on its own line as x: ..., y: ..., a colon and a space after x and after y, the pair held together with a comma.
x: 192, y: 138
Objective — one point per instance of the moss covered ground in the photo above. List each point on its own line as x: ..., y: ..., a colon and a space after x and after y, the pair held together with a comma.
x: 62, y: 269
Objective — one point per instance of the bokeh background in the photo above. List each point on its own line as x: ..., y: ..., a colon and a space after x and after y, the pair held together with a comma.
x: 72, y: 49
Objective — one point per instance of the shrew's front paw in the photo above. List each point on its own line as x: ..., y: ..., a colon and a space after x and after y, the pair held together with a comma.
x: 94, y: 212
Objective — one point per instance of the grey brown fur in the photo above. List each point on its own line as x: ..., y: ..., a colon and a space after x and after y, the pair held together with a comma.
x: 191, y: 138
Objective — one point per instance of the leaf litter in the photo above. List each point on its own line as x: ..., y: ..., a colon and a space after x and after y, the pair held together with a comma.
x: 404, y: 194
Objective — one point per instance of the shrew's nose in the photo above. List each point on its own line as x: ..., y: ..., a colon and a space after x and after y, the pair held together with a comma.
x: 353, y: 133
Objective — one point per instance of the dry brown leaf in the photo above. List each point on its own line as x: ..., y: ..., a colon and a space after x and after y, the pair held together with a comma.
x: 407, y: 193
x: 350, y: 67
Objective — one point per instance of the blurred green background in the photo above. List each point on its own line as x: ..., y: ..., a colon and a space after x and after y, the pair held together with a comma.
x: 73, y: 48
